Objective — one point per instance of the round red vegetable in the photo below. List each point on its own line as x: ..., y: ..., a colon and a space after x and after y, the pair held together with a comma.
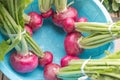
x: 71, y: 44
x: 50, y: 71
x: 35, y: 20
x: 70, y: 12
x: 66, y: 59
x: 47, y: 14
x: 29, y: 30
x: 23, y: 63
x: 82, y: 19
x: 68, y: 25
x: 47, y: 59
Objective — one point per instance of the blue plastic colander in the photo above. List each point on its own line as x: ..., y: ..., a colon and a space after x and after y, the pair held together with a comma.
x: 51, y: 38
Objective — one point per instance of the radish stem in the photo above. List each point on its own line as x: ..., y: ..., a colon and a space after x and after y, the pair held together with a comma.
x: 97, y: 62
x: 99, y: 33
x: 100, y: 68
x: 60, y: 5
x: 15, y: 28
x: 45, y: 5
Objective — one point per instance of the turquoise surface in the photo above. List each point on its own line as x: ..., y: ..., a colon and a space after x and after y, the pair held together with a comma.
x: 51, y: 38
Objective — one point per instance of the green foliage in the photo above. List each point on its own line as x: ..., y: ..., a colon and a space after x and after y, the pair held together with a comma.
x: 112, y: 5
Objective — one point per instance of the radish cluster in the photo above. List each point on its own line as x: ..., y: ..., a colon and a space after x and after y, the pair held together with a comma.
x: 58, y: 18
x: 27, y: 62
x: 66, y: 20
x: 36, y: 20
x: 28, y: 56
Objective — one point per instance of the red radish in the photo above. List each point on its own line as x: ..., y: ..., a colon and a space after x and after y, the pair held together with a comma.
x: 24, y: 63
x: 50, y: 71
x: 35, y: 20
x: 68, y: 25
x: 47, y: 59
x: 82, y: 19
x: 29, y: 30
x: 65, y: 60
x: 71, y: 44
x: 47, y: 14
x: 59, y: 17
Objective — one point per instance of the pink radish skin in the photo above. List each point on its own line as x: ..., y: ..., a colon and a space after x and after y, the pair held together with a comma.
x: 66, y: 59
x: 23, y: 63
x: 82, y: 19
x: 68, y: 25
x: 71, y: 44
x: 47, y: 59
x: 35, y: 20
x: 47, y: 14
x: 70, y: 12
x: 50, y: 71
x: 29, y: 30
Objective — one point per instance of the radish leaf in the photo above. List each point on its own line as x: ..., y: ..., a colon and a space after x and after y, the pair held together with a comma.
x: 3, y: 48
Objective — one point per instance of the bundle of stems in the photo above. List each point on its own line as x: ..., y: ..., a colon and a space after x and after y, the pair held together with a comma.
x: 100, y: 33
x: 45, y: 5
x: 12, y: 25
x: 90, y: 27
x: 107, y: 68
x: 60, y: 5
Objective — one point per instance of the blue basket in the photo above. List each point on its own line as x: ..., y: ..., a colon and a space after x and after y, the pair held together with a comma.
x: 51, y: 38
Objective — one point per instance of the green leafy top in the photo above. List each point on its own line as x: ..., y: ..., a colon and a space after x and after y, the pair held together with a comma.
x: 11, y: 19
x: 112, y: 5
x: 15, y: 8
x: 45, y: 5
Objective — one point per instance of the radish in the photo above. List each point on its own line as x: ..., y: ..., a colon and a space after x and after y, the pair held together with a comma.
x: 45, y: 7
x: 24, y: 63
x: 50, y: 71
x: 71, y: 44
x: 68, y: 25
x: 47, y: 59
x: 82, y: 19
x: 35, y: 20
x: 29, y: 30
x: 47, y: 14
x: 63, y: 12
x: 66, y: 59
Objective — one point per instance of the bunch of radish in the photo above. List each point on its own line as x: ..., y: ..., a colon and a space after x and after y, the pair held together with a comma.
x: 28, y: 55
x: 74, y: 43
x: 65, y: 16
x: 34, y: 20
x: 107, y: 68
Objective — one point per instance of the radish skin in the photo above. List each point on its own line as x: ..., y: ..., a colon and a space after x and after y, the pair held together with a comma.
x: 82, y: 19
x: 50, y: 71
x: 70, y: 12
x: 66, y: 59
x: 47, y: 14
x: 71, y: 44
x: 68, y: 25
x: 29, y: 29
x: 35, y: 20
x: 23, y: 63
x: 47, y: 59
